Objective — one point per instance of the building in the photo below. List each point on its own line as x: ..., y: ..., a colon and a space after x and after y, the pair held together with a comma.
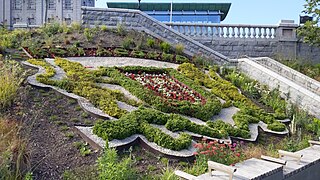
x: 28, y: 13
x: 181, y: 12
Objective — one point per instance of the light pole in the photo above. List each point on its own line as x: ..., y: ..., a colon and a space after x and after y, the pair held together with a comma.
x: 171, y: 13
x: 139, y: 4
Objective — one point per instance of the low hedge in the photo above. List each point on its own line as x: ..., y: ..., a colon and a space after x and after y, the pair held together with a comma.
x: 204, y: 112
x: 249, y: 113
x: 50, y: 72
x: 232, y: 131
x: 138, y: 122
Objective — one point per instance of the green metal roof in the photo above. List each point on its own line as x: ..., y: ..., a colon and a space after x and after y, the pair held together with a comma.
x: 222, y: 7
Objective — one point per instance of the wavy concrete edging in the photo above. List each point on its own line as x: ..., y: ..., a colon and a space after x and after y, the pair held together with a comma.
x: 87, y: 133
x: 84, y: 103
x: 185, y: 153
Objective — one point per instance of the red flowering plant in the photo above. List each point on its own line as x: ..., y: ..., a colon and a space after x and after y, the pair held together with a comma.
x: 227, y: 154
x: 167, y: 87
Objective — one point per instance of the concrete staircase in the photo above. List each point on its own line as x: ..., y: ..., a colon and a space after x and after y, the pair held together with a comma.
x: 288, y: 167
x: 294, y: 86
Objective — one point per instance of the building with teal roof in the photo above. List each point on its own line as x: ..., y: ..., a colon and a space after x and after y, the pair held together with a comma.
x: 181, y: 12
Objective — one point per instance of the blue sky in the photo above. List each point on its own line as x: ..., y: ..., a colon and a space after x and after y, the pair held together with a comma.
x: 247, y: 11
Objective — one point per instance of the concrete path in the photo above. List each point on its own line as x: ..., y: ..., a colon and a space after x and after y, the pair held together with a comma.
x: 95, y: 62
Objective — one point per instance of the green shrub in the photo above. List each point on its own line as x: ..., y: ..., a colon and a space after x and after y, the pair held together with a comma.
x: 277, y: 126
x: 120, y: 52
x: 176, y: 123
x: 109, y: 166
x: 181, y: 59
x: 51, y: 29
x: 128, y: 43
x: 165, y: 47
x: 104, y: 28
x: 153, y: 55
x: 103, y: 52
x: 137, y: 54
x: 121, y: 29
x: 11, y: 76
x: 88, y: 33
x: 179, y: 48
x: 75, y: 26
x: 167, y: 57
x: 151, y: 42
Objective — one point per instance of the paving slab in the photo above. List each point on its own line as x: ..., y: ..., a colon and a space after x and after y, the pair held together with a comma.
x: 248, y: 169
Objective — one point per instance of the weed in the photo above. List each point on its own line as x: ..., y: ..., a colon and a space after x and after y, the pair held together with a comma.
x: 85, y: 151
x: 78, y: 144
x: 179, y: 48
x: 128, y: 43
x: 120, y: 29
x: 59, y: 123
x: 64, y: 128
x: 11, y: 76
x: 151, y: 168
x: 69, y: 135
x: 75, y: 120
x: 165, y: 47
x: 78, y: 108
x: 88, y: 34
x: 53, y: 118
x: 87, y: 122
x: 72, y: 101
x: 84, y: 115
x: 104, y: 28
x: 76, y: 26
x: 165, y: 161
x: 42, y: 91
x: 151, y: 42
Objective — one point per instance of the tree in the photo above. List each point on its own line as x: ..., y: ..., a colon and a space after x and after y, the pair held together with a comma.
x: 310, y: 31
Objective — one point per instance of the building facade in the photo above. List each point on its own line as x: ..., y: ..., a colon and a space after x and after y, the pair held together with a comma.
x: 181, y: 12
x: 29, y: 13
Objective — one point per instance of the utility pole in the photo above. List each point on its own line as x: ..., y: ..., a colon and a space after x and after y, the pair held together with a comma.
x: 139, y: 5
x: 171, y: 12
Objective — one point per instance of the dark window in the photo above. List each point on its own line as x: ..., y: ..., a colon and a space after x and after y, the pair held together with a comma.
x: 17, y: 4
x: 68, y: 4
x: 52, y: 4
x: 31, y: 4
x: 68, y: 20
x: 31, y: 21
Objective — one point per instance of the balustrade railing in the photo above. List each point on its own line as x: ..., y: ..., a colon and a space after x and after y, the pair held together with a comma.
x: 226, y: 30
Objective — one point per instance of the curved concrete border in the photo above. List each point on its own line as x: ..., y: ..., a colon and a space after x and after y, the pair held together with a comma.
x: 87, y: 131
x: 84, y: 103
x: 185, y: 153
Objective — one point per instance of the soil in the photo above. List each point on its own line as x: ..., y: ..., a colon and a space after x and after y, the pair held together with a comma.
x: 47, y: 118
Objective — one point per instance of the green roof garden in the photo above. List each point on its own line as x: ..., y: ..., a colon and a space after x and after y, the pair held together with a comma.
x: 223, y: 8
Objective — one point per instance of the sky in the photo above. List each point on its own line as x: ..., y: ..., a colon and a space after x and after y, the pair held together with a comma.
x: 263, y: 12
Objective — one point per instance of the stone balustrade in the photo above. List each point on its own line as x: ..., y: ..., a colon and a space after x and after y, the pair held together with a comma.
x: 226, y: 30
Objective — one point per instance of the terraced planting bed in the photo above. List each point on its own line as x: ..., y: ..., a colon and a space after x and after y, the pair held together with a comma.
x: 160, y: 91
x: 157, y: 106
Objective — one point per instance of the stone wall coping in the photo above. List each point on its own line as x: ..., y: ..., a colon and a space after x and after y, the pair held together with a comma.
x: 159, y: 24
x: 220, y: 25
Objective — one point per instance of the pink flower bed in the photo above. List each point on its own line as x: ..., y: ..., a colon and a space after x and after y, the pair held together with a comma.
x: 167, y: 87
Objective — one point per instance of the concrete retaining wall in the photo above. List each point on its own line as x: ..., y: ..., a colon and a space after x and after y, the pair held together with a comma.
x: 295, y: 93
x: 235, y: 48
